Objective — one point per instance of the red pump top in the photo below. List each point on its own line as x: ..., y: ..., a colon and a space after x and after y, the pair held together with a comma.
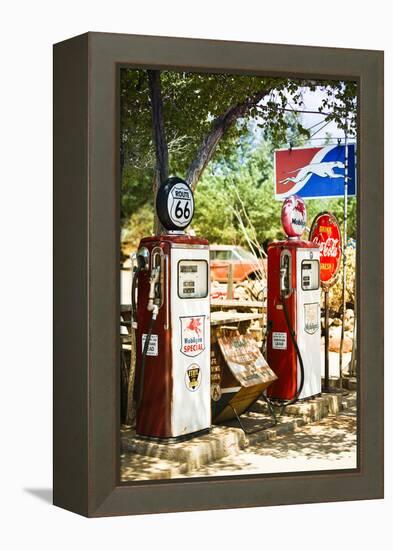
x: 293, y: 243
x: 178, y: 239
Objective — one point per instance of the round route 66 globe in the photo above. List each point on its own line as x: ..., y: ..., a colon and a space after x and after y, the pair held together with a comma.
x: 175, y: 204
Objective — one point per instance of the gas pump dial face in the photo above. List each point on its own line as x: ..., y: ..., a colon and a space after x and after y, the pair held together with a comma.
x: 175, y: 204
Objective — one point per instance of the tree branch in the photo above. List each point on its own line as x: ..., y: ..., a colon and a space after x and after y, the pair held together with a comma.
x: 219, y: 127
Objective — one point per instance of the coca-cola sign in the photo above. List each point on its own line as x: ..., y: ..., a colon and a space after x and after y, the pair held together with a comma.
x: 325, y: 232
x: 294, y: 216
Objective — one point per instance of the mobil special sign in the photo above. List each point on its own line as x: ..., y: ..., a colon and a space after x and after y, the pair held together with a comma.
x: 314, y: 172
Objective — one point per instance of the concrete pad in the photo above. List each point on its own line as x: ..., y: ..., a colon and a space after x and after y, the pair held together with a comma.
x: 348, y: 382
x: 136, y: 467
x: 220, y: 442
x: 311, y: 409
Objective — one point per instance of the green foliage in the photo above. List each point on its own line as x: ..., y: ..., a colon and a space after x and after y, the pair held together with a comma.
x: 213, y: 216
x: 136, y: 190
x: 247, y: 174
x: 341, y: 101
x: 191, y: 102
x: 239, y: 178
x: 336, y: 290
x: 139, y: 225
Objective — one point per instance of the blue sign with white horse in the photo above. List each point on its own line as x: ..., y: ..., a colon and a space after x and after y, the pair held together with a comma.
x: 314, y: 172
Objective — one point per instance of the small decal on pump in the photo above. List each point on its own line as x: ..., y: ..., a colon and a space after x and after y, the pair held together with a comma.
x: 279, y: 340
x: 153, y: 344
x: 193, y: 377
x: 215, y: 392
x: 311, y: 318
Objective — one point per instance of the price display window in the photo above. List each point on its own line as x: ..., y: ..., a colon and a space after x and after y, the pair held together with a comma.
x: 192, y: 279
x: 310, y: 274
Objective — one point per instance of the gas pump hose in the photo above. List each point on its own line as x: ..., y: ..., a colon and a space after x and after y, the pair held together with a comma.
x: 148, y: 336
x: 285, y: 404
x: 133, y: 294
x: 143, y: 360
x: 299, y: 355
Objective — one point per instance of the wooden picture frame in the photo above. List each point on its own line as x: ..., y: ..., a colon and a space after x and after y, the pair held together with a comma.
x: 86, y: 276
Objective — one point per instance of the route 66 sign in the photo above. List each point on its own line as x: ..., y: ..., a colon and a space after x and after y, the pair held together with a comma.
x: 175, y: 204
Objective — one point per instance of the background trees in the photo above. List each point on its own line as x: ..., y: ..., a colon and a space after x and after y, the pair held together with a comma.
x: 218, y: 132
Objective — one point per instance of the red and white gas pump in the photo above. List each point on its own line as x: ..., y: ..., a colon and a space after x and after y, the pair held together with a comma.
x: 173, y: 324
x: 293, y: 309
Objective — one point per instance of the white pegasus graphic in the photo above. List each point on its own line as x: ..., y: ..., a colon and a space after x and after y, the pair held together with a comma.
x: 317, y: 166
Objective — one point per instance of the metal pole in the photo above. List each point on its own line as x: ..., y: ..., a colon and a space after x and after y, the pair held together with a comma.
x: 353, y: 353
x: 326, y: 388
x: 340, y: 382
x: 230, y: 282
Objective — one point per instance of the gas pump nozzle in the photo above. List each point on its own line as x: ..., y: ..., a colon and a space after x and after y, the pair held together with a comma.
x: 139, y: 262
x: 154, y: 292
x: 283, y: 275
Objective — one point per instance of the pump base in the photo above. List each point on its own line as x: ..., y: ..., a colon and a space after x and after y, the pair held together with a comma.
x: 177, y: 439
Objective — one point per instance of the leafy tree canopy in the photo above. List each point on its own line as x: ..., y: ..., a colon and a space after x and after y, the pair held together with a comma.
x: 255, y: 115
x: 194, y: 102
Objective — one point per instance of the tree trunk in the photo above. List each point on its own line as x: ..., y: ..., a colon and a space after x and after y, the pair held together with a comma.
x: 158, y: 228
x: 160, y: 175
x: 220, y: 125
x: 161, y: 145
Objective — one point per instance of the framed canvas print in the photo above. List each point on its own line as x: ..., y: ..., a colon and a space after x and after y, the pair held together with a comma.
x: 218, y: 274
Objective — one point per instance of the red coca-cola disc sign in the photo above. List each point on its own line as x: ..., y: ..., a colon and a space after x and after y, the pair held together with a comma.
x: 325, y: 232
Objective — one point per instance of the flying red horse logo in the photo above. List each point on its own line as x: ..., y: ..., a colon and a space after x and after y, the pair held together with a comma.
x: 294, y: 203
x: 195, y: 326
x: 300, y: 207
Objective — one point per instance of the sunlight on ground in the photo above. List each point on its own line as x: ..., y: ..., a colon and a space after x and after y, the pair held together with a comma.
x: 326, y: 445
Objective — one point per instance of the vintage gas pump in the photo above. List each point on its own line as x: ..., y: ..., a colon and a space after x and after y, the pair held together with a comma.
x: 293, y: 306
x: 173, y: 324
